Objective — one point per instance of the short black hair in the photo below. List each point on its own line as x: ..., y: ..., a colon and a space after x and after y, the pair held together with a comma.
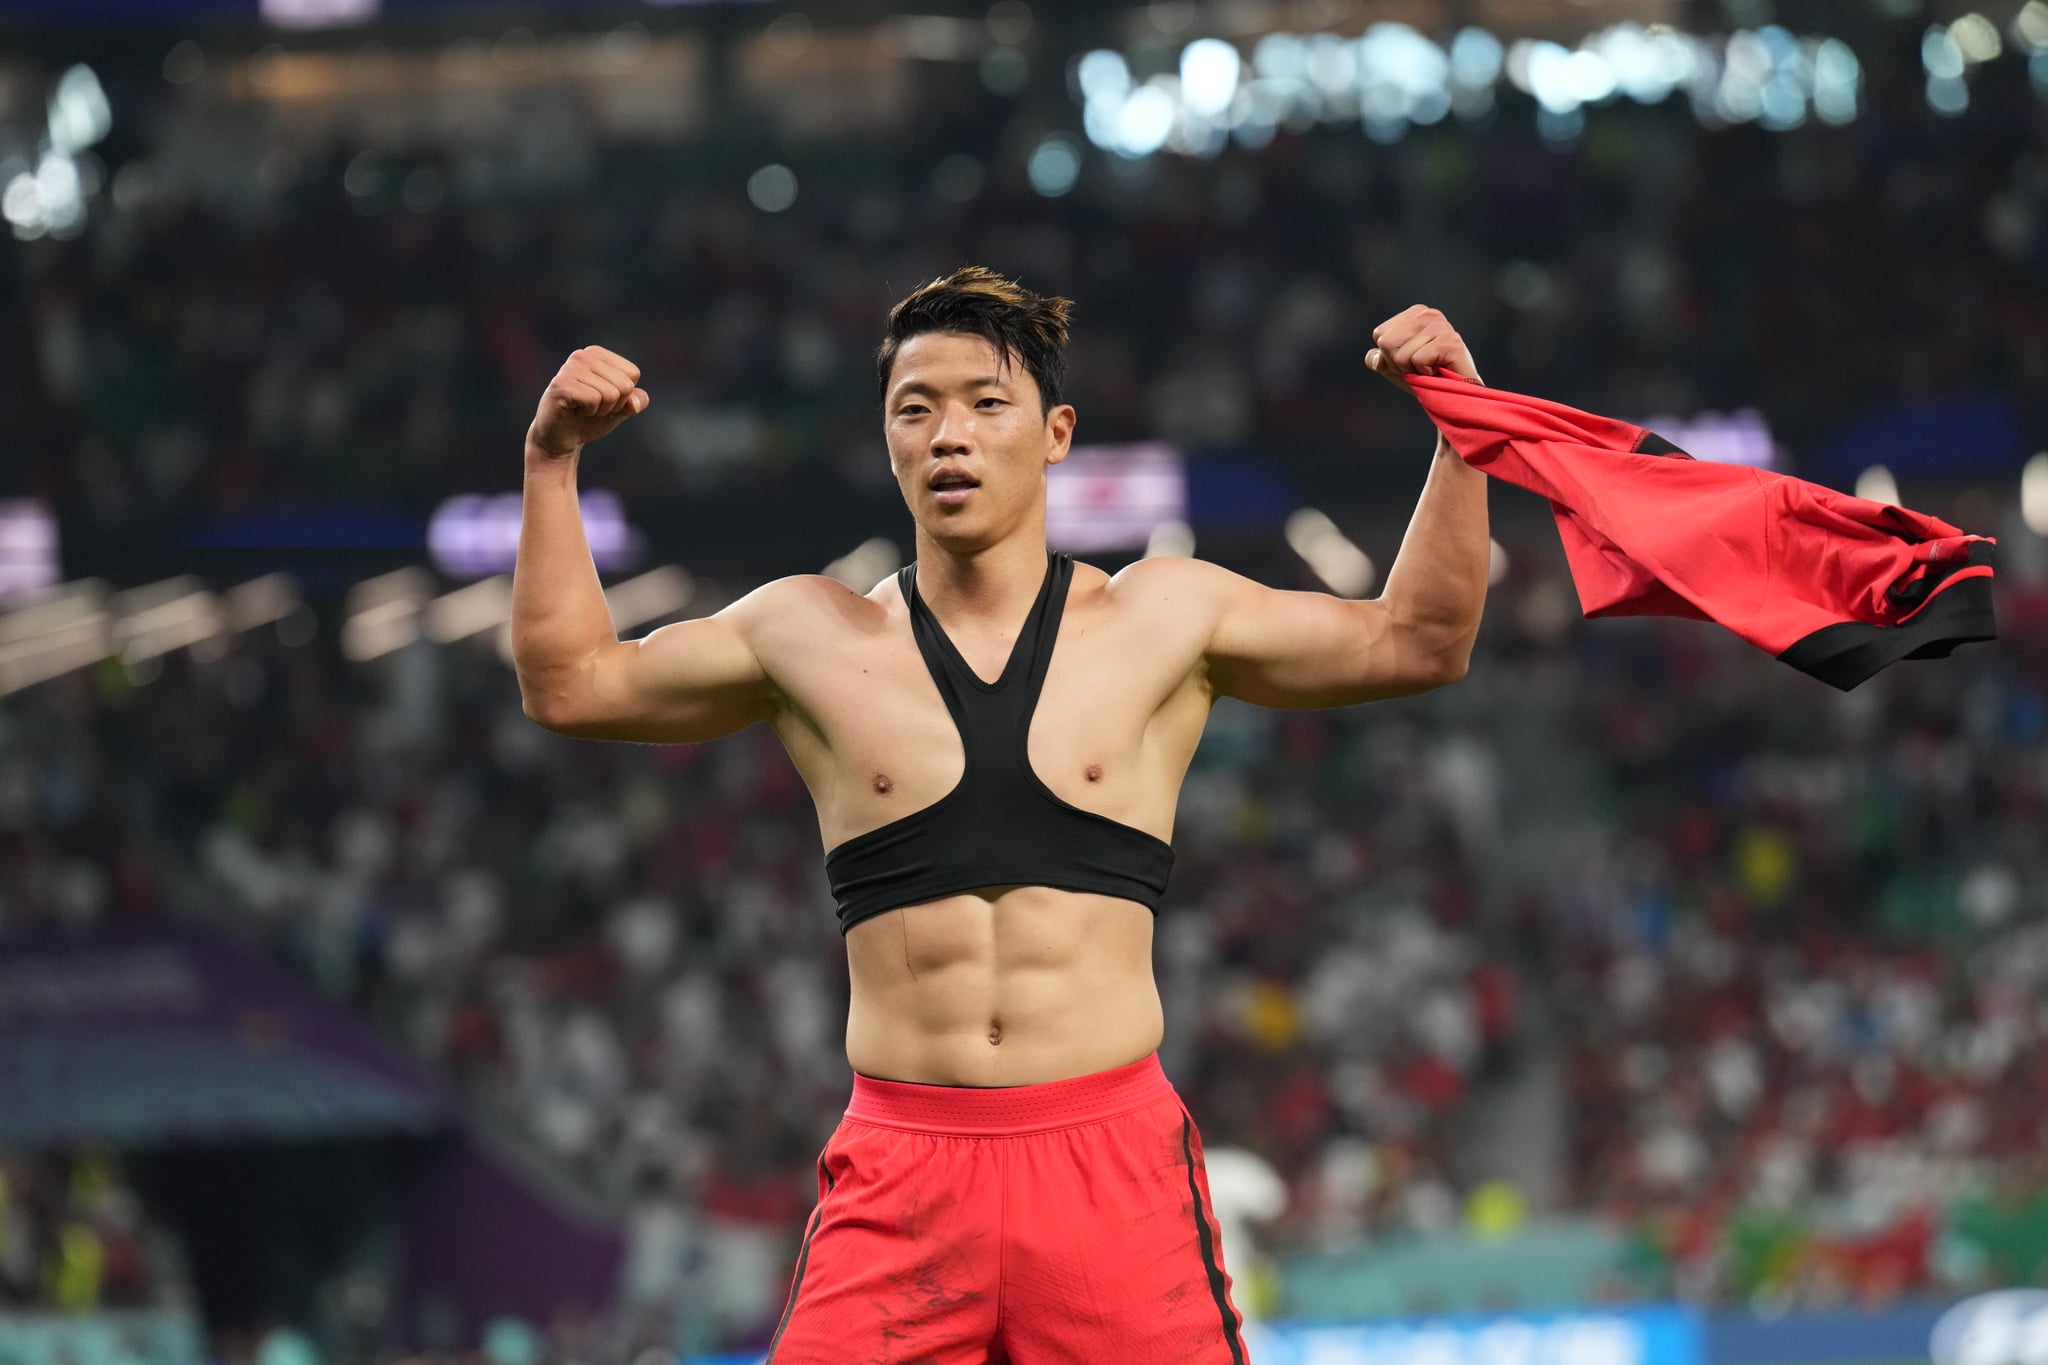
x: 975, y: 301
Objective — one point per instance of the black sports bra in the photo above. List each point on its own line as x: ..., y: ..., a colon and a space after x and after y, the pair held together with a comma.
x: 1000, y: 826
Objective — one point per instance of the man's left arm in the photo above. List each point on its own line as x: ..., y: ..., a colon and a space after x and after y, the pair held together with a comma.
x: 1305, y: 649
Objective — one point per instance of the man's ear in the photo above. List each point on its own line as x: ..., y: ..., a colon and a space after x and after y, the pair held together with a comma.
x: 1060, y: 423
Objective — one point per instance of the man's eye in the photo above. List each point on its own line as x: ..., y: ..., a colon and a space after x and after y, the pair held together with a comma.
x: 986, y: 401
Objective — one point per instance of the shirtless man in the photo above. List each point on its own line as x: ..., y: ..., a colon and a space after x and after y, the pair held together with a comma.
x: 995, y: 739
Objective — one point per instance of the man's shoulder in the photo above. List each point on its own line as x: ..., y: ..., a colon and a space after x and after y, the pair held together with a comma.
x: 810, y: 602
x: 1167, y: 580
x: 1170, y: 603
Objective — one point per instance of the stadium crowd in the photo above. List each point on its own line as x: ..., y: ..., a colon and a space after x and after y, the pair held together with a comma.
x: 1792, y: 941
x: 1814, y: 1004
x: 1786, y: 948
x: 313, y: 331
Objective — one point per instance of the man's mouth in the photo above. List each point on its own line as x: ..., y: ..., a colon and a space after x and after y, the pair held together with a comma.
x: 952, y: 489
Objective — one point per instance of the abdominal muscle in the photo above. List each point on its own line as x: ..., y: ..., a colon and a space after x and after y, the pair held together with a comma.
x: 1004, y: 986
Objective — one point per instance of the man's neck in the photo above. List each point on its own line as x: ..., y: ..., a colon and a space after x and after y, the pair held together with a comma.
x: 995, y: 583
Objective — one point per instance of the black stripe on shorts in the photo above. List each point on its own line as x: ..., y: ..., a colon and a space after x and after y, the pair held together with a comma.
x: 1206, y: 1240
x: 803, y: 1255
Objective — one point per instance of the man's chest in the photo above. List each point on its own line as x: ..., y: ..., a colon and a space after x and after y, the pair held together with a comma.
x: 872, y: 732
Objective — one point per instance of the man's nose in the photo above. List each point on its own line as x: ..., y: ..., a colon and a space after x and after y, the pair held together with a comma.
x: 952, y: 436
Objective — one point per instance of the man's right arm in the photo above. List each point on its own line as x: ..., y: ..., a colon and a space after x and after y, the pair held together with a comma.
x: 690, y: 681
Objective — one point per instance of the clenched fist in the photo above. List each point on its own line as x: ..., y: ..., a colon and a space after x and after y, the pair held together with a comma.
x: 593, y: 392
x: 1418, y: 340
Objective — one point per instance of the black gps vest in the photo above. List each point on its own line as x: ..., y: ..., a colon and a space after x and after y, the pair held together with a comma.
x: 1000, y: 826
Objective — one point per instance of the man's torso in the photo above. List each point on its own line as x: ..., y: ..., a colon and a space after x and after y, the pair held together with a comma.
x: 1008, y: 985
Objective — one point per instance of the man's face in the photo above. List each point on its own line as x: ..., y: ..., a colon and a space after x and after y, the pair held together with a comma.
x: 968, y: 440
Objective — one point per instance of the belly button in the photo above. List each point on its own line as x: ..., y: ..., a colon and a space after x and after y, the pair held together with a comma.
x: 883, y: 784
x: 995, y: 1035
x: 1094, y: 772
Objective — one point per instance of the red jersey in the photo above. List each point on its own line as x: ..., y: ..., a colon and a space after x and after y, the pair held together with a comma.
x: 1834, y: 585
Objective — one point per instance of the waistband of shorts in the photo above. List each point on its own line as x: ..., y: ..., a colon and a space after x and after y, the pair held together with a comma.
x: 1008, y: 1111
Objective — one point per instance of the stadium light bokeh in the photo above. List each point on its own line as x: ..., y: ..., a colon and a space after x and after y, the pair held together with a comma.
x: 1877, y: 484
x: 1394, y: 78
x: 49, y: 196
x: 1114, y: 497
x: 1331, y: 555
x: 1741, y: 437
x: 2034, y: 494
x: 471, y: 535
x: 866, y: 564
x: 318, y: 13
x: 76, y: 625
x: 28, y: 547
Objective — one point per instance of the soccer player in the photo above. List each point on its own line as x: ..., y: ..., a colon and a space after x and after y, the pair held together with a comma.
x: 995, y: 738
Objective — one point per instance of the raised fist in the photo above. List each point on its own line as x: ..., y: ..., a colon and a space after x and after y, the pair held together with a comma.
x: 593, y: 392
x: 1418, y: 340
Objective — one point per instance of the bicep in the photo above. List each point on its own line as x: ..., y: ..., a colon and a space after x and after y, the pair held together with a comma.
x: 690, y: 681
x: 1308, y: 649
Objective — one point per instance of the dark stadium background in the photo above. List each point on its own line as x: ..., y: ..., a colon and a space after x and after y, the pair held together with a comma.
x: 1635, y: 999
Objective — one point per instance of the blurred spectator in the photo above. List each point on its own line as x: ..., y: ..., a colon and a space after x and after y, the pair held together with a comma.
x: 1794, y: 971
x: 260, y: 335
x: 74, y: 1237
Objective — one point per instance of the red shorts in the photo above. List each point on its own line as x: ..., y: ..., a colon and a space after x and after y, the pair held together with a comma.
x: 1040, y: 1223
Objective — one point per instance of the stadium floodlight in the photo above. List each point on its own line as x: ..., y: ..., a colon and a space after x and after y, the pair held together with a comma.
x: 1344, y: 568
